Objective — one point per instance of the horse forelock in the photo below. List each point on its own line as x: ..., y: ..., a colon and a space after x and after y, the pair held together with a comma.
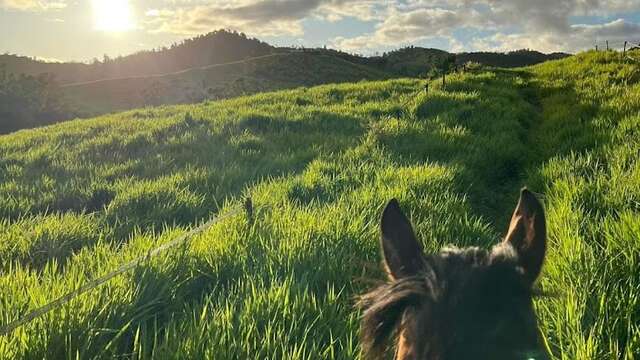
x: 385, y: 306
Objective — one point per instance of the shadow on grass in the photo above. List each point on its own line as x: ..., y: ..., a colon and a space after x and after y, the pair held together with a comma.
x: 178, y: 174
x: 488, y: 127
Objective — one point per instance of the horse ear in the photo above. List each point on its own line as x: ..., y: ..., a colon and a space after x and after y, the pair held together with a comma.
x: 401, y: 250
x: 527, y: 234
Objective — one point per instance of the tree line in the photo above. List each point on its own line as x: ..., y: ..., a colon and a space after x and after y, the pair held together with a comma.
x: 28, y: 101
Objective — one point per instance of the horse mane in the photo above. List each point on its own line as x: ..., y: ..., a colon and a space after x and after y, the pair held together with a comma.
x: 385, y: 306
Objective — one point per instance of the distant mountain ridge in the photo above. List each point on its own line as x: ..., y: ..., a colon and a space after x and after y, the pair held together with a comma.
x: 213, y: 48
x: 224, y: 46
x: 417, y: 61
x: 218, y: 65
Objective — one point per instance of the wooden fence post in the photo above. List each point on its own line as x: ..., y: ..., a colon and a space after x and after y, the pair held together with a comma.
x: 607, y: 45
x: 248, y: 208
x: 624, y: 49
x: 444, y: 80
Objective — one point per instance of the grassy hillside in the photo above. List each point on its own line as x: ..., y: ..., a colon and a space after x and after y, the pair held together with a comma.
x: 217, y: 65
x: 591, y: 131
x: 79, y: 198
x: 266, y: 73
x: 270, y: 72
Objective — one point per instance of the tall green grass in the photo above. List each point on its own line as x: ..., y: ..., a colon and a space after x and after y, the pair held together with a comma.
x: 80, y: 198
x: 591, y: 133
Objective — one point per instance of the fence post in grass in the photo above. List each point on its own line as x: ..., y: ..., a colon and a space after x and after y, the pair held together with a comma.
x: 248, y: 207
x: 426, y: 87
x: 596, y: 47
x: 624, y: 48
x: 444, y: 79
x: 607, y: 42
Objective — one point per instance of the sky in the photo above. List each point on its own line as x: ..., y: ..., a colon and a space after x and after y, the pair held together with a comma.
x: 69, y: 30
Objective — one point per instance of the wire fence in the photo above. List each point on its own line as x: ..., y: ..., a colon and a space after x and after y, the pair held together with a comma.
x: 184, y: 238
x: 246, y: 207
x: 625, y: 47
x: 616, y: 45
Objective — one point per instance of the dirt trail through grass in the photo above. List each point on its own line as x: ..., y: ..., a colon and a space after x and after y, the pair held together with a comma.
x: 504, y: 126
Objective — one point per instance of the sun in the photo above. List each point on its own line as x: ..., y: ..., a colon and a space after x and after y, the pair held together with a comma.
x: 112, y: 15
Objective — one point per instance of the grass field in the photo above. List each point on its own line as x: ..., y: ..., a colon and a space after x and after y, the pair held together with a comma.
x: 80, y: 198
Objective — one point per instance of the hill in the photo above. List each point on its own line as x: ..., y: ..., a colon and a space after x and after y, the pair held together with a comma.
x: 217, y: 65
x: 279, y: 70
x: 216, y: 47
x: 266, y: 73
x: 415, y: 61
x: 518, y: 58
x: 80, y: 198
x: 222, y: 46
x: 287, y: 68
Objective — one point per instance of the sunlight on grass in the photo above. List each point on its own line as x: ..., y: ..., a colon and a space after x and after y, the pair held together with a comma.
x: 82, y: 197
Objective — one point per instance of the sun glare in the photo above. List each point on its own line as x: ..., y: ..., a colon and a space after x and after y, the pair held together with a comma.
x: 112, y: 15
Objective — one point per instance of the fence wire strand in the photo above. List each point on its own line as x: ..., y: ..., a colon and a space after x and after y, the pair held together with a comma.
x: 34, y: 314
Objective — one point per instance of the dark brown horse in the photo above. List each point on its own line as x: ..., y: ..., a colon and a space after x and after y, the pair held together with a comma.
x: 461, y: 303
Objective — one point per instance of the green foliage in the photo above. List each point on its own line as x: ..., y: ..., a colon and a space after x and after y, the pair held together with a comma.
x: 29, y: 101
x: 511, y: 59
x: 417, y: 61
x: 82, y: 197
x: 424, y: 62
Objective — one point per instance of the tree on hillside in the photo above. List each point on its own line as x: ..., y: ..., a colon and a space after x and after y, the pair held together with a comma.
x: 29, y: 101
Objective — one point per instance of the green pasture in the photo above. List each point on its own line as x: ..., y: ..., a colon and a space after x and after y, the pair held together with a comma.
x: 80, y: 198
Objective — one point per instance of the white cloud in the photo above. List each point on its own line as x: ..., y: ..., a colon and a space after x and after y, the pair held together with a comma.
x: 203, y: 19
x: 578, y: 37
x: 455, y: 45
x: 608, y: 7
x: 48, y: 59
x: 260, y: 18
x: 366, y: 10
x: 405, y: 27
x: 515, y: 24
x: 270, y: 17
x: 511, y: 24
x: 32, y: 5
